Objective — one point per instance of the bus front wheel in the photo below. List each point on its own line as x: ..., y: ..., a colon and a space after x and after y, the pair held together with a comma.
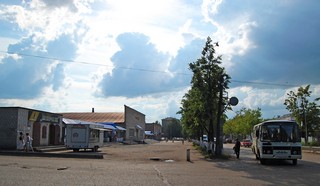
x: 294, y: 162
x: 262, y: 161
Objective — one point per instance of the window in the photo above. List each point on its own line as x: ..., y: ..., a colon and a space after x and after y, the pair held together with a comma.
x: 44, y: 132
x: 94, y: 135
x: 131, y: 132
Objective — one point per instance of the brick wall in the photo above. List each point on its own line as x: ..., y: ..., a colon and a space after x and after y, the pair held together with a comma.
x: 132, y: 119
x: 8, y: 128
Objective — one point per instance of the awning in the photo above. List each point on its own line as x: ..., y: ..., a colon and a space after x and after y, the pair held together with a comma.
x: 73, y: 121
x: 138, y: 127
x: 96, y: 126
x: 148, y: 133
x: 109, y: 127
x: 100, y: 129
x: 120, y: 128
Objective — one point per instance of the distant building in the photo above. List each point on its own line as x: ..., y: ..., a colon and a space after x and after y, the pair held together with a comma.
x: 45, y: 128
x: 153, y: 131
x: 165, y: 123
x: 131, y: 120
x: 286, y: 117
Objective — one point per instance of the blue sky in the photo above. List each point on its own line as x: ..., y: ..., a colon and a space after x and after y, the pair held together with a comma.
x: 72, y: 55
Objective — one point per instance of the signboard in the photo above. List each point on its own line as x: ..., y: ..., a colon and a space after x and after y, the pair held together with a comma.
x: 50, y: 118
x: 34, y: 116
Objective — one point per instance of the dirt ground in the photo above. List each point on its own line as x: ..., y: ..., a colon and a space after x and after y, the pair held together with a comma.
x: 158, y: 151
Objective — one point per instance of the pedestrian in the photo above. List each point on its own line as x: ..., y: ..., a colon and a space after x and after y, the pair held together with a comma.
x: 20, y: 145
x: 236, y: 148
x: 28, y: 144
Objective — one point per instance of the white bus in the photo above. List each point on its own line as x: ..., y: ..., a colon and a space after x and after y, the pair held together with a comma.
x: 277, y: 139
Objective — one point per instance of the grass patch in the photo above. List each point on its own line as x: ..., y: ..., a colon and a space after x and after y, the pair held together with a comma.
x: 210, y: 155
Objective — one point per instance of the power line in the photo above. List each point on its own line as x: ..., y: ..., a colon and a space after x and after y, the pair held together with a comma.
x: 140, y: 69
x: 88, y: 63
x: 263, y: 83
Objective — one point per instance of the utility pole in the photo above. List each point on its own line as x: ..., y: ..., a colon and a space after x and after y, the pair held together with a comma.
x: 305, y: 121
x: 218, y: 138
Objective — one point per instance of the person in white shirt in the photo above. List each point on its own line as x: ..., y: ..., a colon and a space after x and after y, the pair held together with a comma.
x: 28, y: 145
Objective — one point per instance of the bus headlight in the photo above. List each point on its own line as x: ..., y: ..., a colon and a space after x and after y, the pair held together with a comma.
x: 294, y: 152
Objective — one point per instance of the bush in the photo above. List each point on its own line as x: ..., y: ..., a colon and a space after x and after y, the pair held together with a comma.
x: 311, y: 143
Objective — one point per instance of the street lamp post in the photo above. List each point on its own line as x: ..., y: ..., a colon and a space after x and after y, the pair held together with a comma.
x: 218, y: 147
x: 305, y: 121
x: 233, y: 101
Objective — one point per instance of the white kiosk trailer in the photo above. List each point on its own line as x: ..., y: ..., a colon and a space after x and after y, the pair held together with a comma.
x: 83, y: 135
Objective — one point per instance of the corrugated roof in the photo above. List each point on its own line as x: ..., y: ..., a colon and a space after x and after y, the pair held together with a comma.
x: 73, y: 121
x: 115, y: 117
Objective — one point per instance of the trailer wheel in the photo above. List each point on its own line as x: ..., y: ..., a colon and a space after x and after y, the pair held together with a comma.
x: 95, y: 149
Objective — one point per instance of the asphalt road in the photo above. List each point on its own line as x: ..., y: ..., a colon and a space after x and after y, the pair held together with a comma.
x: 157, y: 164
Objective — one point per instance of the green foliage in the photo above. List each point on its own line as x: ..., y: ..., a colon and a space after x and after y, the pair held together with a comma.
x: 242, y: 123
x: 199, y: 105
x: 305, y: 112
x: 173, y: 129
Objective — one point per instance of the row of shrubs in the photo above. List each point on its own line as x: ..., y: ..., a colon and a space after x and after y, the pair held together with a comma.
x: 311, y: 143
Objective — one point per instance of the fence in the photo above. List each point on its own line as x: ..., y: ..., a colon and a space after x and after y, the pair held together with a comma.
x: 206, y: 145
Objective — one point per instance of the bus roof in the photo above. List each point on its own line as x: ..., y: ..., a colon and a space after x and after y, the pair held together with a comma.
x: 276, y: 121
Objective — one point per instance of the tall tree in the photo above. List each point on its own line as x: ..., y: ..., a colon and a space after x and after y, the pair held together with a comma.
x: 304, y: 111
x: 192, y: 112
x: 241, y: 124
x: 200, y: 105
x: 174, y: 129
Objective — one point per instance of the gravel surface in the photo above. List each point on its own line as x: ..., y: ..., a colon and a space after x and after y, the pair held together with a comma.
x: 153, y: 150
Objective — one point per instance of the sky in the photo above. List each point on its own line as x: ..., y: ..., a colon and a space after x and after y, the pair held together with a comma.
x: 75, y: 55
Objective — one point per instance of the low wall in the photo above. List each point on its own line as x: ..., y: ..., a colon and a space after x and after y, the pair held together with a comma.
x: 311, y: 149
x: 204, y: 144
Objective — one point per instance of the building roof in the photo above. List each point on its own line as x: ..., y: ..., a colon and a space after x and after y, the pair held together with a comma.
x: 18, y: 107
x: 114, y: 117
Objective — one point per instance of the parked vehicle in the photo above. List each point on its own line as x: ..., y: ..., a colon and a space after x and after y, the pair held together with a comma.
x: 205, y: 138
x: 277, y: 139
x: 228, y: 140
x: 246, y: 143
x: 83, y: 135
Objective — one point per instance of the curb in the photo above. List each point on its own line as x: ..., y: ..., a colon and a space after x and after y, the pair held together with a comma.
x: 57, y: 155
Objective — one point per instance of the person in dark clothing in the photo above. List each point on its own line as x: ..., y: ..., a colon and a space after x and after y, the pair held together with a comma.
x: 236, y: 148
x: 21, y: 141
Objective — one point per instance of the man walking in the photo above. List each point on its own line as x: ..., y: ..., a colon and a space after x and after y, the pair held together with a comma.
x: 236, y: 148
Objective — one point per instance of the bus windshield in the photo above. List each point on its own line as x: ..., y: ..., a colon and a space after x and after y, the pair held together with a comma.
x: 280, y: 132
